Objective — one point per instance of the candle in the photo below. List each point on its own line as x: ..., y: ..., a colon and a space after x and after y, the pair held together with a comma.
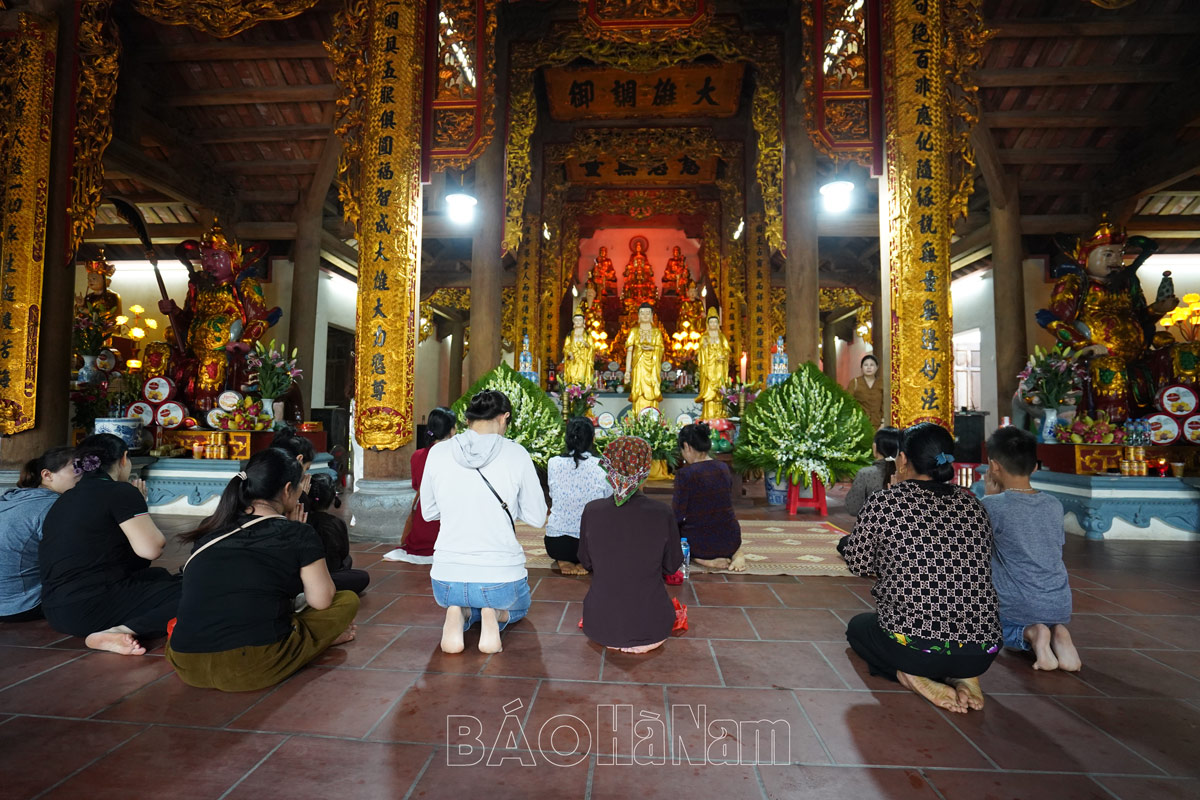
x: 743, y: 366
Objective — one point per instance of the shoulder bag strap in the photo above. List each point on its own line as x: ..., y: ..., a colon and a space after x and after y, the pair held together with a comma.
x: 499, y: 499
x: 209, y: 544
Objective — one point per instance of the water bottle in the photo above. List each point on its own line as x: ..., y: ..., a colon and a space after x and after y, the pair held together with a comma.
x: 687, y: 556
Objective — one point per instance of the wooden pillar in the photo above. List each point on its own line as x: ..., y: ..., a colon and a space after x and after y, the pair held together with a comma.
x: 1008, y: 289
x: 457, y: 334
x: 800, y: 206
x: 829, y: 349
x: 486, y: 261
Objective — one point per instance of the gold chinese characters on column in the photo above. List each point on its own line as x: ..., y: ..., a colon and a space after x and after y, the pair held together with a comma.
x: 27, y: 95
x: 919, y: 215
x: 389, y: 223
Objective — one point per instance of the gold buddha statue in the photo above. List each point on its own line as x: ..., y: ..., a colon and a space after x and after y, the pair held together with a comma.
x: 644, y: 351
x: 579, y: 354
x: 713, y: 362
x: 639, y: 281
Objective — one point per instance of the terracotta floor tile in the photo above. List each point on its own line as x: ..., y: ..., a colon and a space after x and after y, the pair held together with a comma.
x: 887, y: 728
x: 1144, y: 601
x: 1013, y: 673
x: 1177, y: 631
x: 681, y: 660
x: 829, y: 595
x: 603, y: 719
x: 791, y: 782
x: 853, y: 670
x: 797, y: 625
x: 1090, y: 601
x: 546, y: 655
x: 712, y: 782
x: 19, y: 663
x: 1009, y: 786
x: 411, y: 609
x: 335, y: 702
x: 742, y: 577
x: 37, y: 753
x: 394, y: 582
x: 307, y: 768
x: 570, y: 619
x: 736, y: 594
x: 542, y: 616
x: 504, y: 779
x: 177, y: 762
x: 1120, y: 578
x: 371, y: 603
x: 83, y: 686
x: 28, y: 634
x: 1127, y: 673
x: 1186, y: 661
x: 697, y: 728
x: 719, y: 622
x: 422, y: 714
x: 370, y: 641
x: 565, y: 589
x: 789, y: 665
x: 1035, y: 733
x: 1151, y: 789
x: 396, y: 566
x: 419, y: 650
x: 1166, y: 733
x: 169, y: 701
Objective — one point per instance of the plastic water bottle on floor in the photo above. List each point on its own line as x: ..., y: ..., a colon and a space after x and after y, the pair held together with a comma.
x: 687, y: 557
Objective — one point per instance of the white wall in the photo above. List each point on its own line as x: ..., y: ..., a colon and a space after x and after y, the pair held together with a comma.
x: 972, y: 300
x: 337, y: 305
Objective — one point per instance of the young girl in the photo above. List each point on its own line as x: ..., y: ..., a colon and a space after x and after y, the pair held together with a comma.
x: 322, y: 493
x: 877, y: 476
x: 236, y: 630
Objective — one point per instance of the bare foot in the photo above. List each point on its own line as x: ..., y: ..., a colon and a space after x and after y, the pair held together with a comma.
x: 1064, y: 649
x: 347, y: 636
x: 571, y: 568
x: 489, y: 634
x: 712, y: 563
x: 1039, y: 636
x: 452, y: 630
x: 939, y: 694
x: 970, y: 693
x: 116, y: 640
x: 644, y: 648
x: 738, y: 562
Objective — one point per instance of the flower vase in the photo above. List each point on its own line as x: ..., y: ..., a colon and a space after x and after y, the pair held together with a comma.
x: 777, y: 487
x: 88, y: 373
x: 268, y: 411
x: 278, y: 412
x: 1046, y: 429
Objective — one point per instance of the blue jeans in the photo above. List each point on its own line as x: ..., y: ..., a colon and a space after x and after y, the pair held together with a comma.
x: 1014, y: 634
x: 511, y: 597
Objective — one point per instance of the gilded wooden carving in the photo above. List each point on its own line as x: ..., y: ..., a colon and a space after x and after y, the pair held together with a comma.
x: 98, y: 45
x: 219, y: 17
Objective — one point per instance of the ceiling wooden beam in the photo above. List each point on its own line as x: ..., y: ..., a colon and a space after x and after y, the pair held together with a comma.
x: 230, y: 51
x: 177, y: 232
x: 263, y: 133
x: 858, y: 225
x: 202, y: 192
x: 1059, y: 155
x: 1162, y: 157
x: 1185, y: 226
x: 1063, y: 119
x: 338, y: 252
x: 270, y: 197
x: 1034, y: 188
x: 1074, y: 76
x: 277, y: 166
x: 316, y: 93
x: 1179, y: 25
x: 999, y: 183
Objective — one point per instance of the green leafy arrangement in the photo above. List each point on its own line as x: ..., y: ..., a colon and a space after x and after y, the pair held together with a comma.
x: 662, y: 435
x: 804, y: 425
x: 537, y: 424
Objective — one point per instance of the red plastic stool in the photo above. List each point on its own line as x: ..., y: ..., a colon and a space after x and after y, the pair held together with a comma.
x: 817, y: 500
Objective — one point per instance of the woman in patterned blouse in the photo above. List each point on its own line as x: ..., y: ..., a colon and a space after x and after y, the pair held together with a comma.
x: 575, y: 479
x: 928, y: 544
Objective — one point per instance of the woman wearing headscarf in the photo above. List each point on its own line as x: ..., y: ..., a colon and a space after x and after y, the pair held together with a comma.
x: 628, y: 542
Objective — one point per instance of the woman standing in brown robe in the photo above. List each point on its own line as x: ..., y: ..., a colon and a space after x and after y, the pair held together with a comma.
x: 628, y: 544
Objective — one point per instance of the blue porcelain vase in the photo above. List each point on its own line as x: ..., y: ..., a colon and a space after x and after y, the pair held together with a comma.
x: 776, y: 491
x: 88, y: 372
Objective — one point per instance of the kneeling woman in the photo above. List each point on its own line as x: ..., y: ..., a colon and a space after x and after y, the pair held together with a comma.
x: 703, y: 504
x: 236, y: 629
x: 928, y: 544
x: 628, y: 544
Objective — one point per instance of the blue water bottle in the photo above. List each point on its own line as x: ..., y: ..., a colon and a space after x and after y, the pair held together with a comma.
x: 687, y: 556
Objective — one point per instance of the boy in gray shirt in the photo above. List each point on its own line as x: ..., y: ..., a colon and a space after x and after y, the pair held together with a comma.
x: 1027, y: 565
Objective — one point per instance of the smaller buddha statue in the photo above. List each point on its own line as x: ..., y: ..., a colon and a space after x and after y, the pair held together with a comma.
x: 639, y: 280
x: 644, y: 351
x: 779, y: 364
x: 604, y: 275
x: 677, y: 276
x: 579, y: 354
x: 692, y: 309
x: 99, y: 296
x: 713, y: 362
x: 525, y: 360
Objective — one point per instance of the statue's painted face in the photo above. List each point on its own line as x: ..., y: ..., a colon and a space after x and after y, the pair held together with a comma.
x: 96, y: 282
x: 577, y: 320
x: 217, y: 263
x: 714, y: 325
x: 590, y: 293
x: 645, y: 316
x: 1105, y: 260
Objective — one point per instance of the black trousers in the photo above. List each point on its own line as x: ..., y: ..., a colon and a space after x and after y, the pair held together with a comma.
x: 563, y: 548
x: 144, y: 602
x: 351, y: 580
x: 885, y: 656
x: 25, y: 616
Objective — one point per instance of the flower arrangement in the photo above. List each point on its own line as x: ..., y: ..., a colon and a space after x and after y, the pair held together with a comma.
x: 663, y: 436
x: 91, y: 401
x: 1052, y: 378
x: 272, y: 370
x: 537, y: 423
x: 735, y: 393
x: 805, y: 425
x: 577, y: 399
x: 90, y: 328
x: 1088, y: 430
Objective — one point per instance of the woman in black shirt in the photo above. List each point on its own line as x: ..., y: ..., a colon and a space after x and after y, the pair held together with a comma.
x: 928, y: 544
x: 236, y: 629
x: 97, y: 544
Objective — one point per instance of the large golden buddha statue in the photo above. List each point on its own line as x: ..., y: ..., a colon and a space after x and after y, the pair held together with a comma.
x: 579, y: 354
x: 713, y: 373
x: 644, y: 350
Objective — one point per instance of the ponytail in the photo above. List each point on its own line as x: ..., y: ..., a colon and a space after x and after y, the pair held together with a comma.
x: 266, y: 475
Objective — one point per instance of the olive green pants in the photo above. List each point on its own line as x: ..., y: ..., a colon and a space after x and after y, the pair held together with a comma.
x: 247, y: 669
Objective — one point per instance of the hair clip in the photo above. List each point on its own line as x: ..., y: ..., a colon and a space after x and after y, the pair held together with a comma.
x: 889, y: 458
x: 242, y: 475
x: 945, y: 458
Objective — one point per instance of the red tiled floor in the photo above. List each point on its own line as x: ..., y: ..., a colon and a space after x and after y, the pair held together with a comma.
x: 790, y: 665
x: 20, y: 663
x: 411, y: 609
x: 1164, y: 732
x: 598, y: 718
x: 370, y: 641
x: 1177, y: 631
x: 502, y: 778
x: 1128, y: 673
x: 681, y: 661
x: 698, y: 733
x: 1151, y: 789
x: 717, y: 622
x: 84, y: 686
x: 1146, y: 602
x: 418, y: 650
x: 37, y: 753
x: 819, y: 595
x: 546, y: 655
x: 797, y: 624
x: 620, y: 782
x: 423, y: 713
x: 1009, y: 786
x: 790, y: 782
x: 169, y: 701
x: 736, y: 594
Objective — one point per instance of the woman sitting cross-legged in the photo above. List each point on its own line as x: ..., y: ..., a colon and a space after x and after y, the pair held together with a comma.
x: 929, y: 546
x: 478, y: 484
x: 575, y: 479
x: 703, y: 504
x: 97, y: 544
x: 236, y: 629
x: 22, y: 511
x: 628, y: 544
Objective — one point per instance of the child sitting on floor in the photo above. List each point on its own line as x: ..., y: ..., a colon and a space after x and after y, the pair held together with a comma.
x: 1027, y: 564
x: 322, y: 493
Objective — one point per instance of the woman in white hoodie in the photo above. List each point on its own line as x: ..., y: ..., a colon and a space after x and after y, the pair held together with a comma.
x: 478, y: 484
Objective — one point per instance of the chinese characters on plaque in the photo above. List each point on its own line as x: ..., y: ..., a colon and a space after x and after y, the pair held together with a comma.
x: 688, y: 90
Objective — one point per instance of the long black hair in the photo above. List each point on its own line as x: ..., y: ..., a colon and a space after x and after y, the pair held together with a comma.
x: 53, y: 459
x: 887, y: 442
x: 266, y: 474
x: 97, y: 453
x: 488, y: 404
x: 323, y: 493
x: 930, y: 450
x: 580, y: 436
x: 291, y: 442
x: 440, y: 423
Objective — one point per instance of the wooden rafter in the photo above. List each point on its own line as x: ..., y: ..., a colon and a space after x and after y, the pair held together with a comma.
x: 1074, y: 76
x: 1176, y: 25
x: 314, y: 93
x: 264, y: 133
x: 230, y: 51
x: 201, y: 191
x: 1062, y: 119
